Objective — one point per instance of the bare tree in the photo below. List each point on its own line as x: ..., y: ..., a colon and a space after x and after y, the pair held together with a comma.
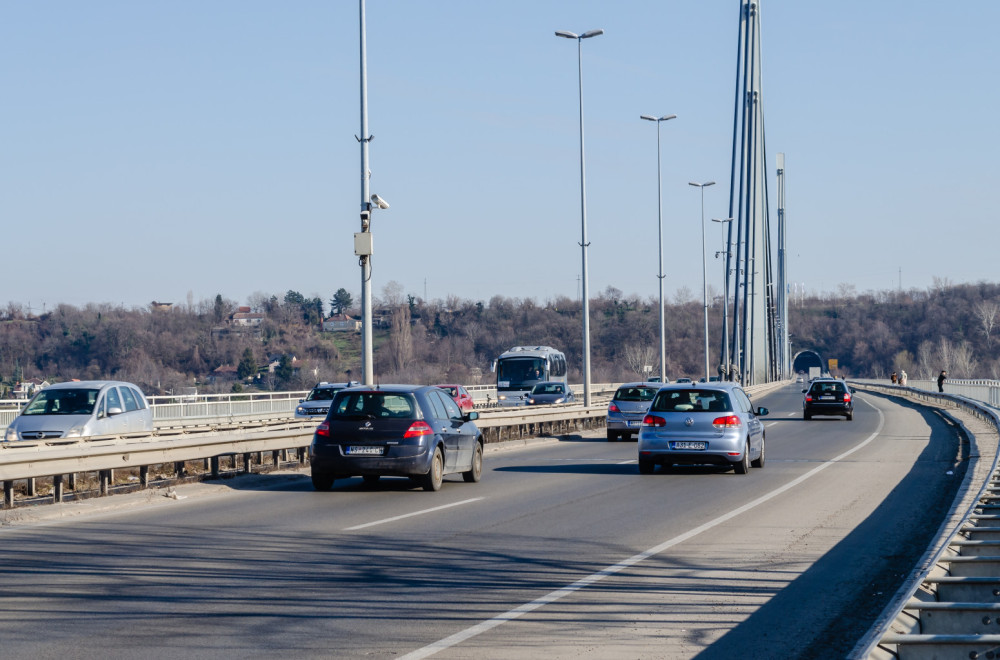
x: 964, y: 362
x: 987, y: 314
x: 637, y: 357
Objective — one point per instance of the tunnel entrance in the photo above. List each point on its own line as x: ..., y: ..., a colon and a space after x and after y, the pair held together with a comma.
x: 805, y: 359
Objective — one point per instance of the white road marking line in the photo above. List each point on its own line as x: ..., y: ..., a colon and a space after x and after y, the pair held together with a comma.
x: 410, y: 515
x: 558, y: 594
x: 770, y: 424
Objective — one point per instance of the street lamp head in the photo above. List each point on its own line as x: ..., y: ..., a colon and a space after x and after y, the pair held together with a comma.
x: 568, y: 35
x: 722, y: 220
x: 572, y: 35
x: 701, y: 185
x: 657, y: 119
x: 591, y: 33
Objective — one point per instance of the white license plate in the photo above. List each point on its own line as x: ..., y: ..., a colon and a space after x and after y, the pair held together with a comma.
x: 688, y: 445
x: 364, y: 451
x: 827, y: 398
x: 633, y: 424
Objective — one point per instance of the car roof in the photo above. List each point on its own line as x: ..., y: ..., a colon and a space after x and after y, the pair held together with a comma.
x: 393, y: 388
x: 89, y: 384
x: 713, y: 385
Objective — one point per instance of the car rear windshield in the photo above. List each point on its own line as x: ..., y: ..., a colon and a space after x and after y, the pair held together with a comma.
x: 395, y: 405
x: 692, y: 400
x: 636, y: 393
x: 827, y: 388
x: 62, y: 402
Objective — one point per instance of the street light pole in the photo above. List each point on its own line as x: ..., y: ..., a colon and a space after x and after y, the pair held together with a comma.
x: 659, y: 241
x: 704, y: 268
x: 583, y: 213
x: 725, y: 299
x: 364, y: 254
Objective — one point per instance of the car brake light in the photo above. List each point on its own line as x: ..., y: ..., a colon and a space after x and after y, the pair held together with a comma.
x: 847, y: 398
x: 653, y: 420
x: 726, y: 422
x: 418, y: 429
x: 613, y: 407
x: 809, y: 397
x: 323, y: 430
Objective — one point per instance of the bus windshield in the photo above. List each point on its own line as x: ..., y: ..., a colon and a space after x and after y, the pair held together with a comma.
x: 520, y: 373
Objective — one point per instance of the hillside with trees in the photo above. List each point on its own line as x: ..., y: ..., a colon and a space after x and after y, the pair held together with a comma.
x: 166, y: 348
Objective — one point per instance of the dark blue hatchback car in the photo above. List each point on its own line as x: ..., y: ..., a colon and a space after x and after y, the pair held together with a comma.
x: 396, y: 430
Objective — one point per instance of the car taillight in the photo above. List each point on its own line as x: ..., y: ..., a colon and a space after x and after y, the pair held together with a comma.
x: 653, y: 420
x: 726, y: 422
x: 613, y: 408
x: 809, y: 397
x: 323, y: 430
x: 847, y: 398
x: 418, y: 429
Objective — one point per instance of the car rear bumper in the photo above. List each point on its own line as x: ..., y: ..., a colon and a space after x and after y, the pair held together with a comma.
x: 839, y: 409
x: 399, y: 460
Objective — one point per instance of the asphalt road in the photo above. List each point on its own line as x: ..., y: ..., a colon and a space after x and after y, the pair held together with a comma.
x: 562, y: 551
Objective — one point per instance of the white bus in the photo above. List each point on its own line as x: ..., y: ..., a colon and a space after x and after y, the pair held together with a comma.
x: 520, y: 368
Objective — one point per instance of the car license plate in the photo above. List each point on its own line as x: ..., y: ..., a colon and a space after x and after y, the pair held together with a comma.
x: 829, y: 397
x: 688, y: 445
x: 364, y: 451
x: 633, y: 424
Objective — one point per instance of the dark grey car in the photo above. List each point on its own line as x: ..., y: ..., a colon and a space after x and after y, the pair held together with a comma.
x: 396, y: 430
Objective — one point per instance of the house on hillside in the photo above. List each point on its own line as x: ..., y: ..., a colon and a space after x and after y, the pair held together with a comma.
x: 245, y: 318
x: 27, y: 388
x: 341, y: 323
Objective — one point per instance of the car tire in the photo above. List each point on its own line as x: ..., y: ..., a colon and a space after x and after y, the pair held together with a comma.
x: 612, y: 436
x: 322, y: 481
x: 850, y: 416
x: 432, y: 480
x: 759, y: 463
x: 806, y: 416
x: 475, y: 473
x: 646, y: 466
x: 370, y: 479
x: 743, y: 467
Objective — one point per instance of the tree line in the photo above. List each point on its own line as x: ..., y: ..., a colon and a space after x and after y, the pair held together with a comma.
x: 950, y: 327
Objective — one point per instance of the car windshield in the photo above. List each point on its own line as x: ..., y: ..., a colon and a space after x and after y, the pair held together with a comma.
x: 636, y: 393
x: 452, y: 391
x: 547, y: 388
x: 322, y: 393
x: 373, y: 405
x: 62, y: 402
x: 691, y: 401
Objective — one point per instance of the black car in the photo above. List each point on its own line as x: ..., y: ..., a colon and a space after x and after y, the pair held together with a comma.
x: 396, y: 430
x: 828, y: 396
x: 549, y: 392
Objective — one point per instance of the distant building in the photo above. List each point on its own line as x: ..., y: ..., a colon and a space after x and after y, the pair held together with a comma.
x: 244, y: 317
x: 27, y: 388
x: 341, y: 323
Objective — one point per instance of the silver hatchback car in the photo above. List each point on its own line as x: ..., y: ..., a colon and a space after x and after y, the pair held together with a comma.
x: 702, y: 424
x: 80, y: 409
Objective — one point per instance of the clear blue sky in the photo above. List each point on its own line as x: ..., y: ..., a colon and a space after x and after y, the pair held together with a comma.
x: 165, y: 150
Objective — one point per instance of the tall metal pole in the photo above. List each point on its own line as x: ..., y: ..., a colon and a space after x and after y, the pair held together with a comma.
x: 367, y: 375
x: 786, y: 368
x: 727, y: 248
x: 583, y: 215
x: 659, y: 217
x: 704, y: 269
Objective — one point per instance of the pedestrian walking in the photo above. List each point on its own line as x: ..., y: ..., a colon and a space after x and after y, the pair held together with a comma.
x: 902, y: 377
x: 894, y: 378
x: 941, y: 378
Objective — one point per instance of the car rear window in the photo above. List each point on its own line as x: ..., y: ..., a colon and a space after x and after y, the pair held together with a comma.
x: 395, y: 405
x: 636, y: 393
x: 693, y: 400
x: 827, y: 388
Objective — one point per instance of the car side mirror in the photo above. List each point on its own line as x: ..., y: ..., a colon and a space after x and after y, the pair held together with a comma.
x: 804, y: 391
x: 301, y: 400
x: 471, y: 416
x: 762, y: 411
x: 114, y: 411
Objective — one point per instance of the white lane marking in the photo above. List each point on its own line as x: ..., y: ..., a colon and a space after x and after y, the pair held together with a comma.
x: 558, y: 594
x: 634, y: 460
x: 770, y: 424
x: 791, y: 414
x: 410, y: 515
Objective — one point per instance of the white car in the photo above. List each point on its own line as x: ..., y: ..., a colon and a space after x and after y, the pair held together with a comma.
x: 81, y: 409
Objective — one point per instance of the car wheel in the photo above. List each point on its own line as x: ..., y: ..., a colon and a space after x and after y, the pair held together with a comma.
x: 476, y: 473
x: 646, y: 466
x: 612, y: 436
x: 370, y: 479
x: 743, y: 467
x: 759, y: 463
x: 432, y: 480
x: 850, y: 416
x: 322, y: 480
x: 806, y: 416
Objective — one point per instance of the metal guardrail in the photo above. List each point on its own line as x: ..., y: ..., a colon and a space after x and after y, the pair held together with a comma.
x: 950, y: 605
